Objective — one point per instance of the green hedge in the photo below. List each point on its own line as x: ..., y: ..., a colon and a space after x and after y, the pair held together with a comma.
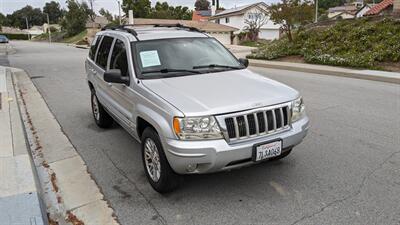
x: 357, y: 43
x: 16, y: 36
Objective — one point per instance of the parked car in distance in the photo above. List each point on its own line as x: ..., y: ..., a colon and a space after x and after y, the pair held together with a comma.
x: 3, y: 39
x: 194, y: 107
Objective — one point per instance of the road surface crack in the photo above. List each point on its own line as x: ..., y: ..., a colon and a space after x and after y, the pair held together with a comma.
x: 355, y: 194
x: 160, y: 217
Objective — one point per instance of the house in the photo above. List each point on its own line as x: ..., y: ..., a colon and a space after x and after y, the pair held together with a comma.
x: 221, y: 32
x: 237, y: 17
x: 361, y: 12
x: 345, y: 12
x: 34, y: 31
x: 396, y: 7
x: 383, y: 8
x: 99, y: 22
x: 201, y: 15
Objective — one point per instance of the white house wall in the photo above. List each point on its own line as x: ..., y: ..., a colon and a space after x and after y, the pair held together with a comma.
x: 269, y: 30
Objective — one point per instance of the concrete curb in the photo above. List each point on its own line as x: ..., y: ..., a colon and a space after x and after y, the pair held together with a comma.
x: 20, y: 193
x: 79, y: 46
x: 70, y: 193
x: 382, y: 76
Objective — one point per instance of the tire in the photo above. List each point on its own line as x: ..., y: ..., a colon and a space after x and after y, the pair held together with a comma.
x: 283, y: 155
x: 101, y: 117
x: 166, y: 180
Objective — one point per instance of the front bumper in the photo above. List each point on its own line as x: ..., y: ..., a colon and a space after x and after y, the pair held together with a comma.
x: 218, y: 155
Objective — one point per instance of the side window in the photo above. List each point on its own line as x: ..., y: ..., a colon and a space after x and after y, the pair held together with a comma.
x: 103, y: 52
x: 93, y: 47
x: 119, y: 59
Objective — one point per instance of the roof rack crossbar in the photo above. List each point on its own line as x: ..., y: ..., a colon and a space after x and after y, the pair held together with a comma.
x: 179, y: 25
x: 123, y: 28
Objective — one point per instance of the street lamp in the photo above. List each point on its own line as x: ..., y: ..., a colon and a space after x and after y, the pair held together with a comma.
x: 316, y: 11
x: 48, y: 26
x: 119, y: 10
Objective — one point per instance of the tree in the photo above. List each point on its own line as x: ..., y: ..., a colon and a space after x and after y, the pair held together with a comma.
x: 291, y: 14
x: 92, y: 14
x: 53, y: 9
x: 141, y: 8
x: 326, y: 4
x: 18, y: 18
x: 75, y: 18
x: 105, y: 13
x: 254, y: 24
x: 164, y: 11
x: 202, y: 5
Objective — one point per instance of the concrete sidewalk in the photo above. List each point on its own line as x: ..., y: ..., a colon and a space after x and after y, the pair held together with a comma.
x: 20, y: 201
x: 375, y: 75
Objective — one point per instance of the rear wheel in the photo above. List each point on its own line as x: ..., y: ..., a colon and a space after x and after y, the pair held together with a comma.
x: 158, y: 171
x: 101, y: 117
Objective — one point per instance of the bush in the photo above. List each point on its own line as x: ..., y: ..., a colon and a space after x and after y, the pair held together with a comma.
x: 355, y: 43
x: 16, y: 36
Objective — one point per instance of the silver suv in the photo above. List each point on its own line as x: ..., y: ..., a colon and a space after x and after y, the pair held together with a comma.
x: 194, y: 107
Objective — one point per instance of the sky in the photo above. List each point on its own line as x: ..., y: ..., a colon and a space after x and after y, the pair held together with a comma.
x: 9, y: 6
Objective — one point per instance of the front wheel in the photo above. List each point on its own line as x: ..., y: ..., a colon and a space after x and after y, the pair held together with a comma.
x: 158, y: 171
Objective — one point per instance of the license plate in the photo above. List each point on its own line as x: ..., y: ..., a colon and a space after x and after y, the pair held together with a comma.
x: 267, y: 150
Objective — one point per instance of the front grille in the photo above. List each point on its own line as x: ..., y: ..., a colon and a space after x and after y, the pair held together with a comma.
x: 257, y: 123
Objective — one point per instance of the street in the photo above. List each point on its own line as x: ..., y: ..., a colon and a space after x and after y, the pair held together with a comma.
x: 347, y: 170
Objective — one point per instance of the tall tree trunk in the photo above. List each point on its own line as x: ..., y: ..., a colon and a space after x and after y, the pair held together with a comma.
x: 289, y: 33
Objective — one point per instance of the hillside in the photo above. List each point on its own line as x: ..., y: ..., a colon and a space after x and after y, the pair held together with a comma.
x: 359, y: 43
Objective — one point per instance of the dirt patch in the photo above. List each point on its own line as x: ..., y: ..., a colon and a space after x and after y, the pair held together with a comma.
x: 73, y: 219
x: 53, y: 179
x: 390, y: 66
x: 292, y: 58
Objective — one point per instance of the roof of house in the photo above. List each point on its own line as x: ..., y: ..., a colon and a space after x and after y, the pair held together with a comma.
x: 238, y: 10
x: 201, y: 25
x: 378, y: 8
x: 202, y: 15
x: 98, y: 21
x: 344, y: 8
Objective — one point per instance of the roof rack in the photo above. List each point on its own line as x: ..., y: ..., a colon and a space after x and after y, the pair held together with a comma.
x: 179, y: 25
x: 122, y: 28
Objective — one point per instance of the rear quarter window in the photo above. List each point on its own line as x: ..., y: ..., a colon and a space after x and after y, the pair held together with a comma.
x: 93, y: 47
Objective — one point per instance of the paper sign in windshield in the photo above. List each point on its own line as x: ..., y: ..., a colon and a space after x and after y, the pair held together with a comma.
x: 150, y: 58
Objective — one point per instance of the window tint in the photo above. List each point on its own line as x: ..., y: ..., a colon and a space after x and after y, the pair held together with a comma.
x: 93, y: 47
x: 119, y: 59
x: 104, y: 50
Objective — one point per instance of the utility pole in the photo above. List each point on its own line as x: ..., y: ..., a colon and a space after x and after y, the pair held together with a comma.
x: 316, y: 11
x: 27, y: 28
x: 119, y: 10
x: 48, y: 26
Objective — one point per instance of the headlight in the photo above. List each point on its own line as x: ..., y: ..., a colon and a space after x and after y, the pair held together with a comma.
x: 298, y: 109
x: 197, y: 128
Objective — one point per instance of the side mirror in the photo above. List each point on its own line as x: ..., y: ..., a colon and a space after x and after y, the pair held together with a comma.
x: 115, y: 76
x: 244, y: 62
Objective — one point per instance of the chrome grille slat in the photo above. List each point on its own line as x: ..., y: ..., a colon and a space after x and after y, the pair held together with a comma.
x: 256, y: 123
x: 257, y: 127
x: 236, y: 127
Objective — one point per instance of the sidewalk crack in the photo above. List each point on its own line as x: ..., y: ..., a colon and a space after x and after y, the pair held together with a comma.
x: 356, y: 193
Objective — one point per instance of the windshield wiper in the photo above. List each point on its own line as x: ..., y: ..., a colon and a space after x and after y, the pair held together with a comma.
x: 218, y: 66
x: 172, y: 71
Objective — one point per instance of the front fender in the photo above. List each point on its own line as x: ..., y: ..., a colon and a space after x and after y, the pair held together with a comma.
x: 162, y: 123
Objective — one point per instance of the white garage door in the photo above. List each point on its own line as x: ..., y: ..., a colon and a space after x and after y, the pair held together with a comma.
x: 269, y: 34
x: 224, y: 38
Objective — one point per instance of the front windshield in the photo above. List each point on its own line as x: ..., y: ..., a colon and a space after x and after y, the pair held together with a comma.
x: 182, y: 56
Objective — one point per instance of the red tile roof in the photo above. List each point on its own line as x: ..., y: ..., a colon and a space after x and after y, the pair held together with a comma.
x: 198, y: 17
x: 378, y: 8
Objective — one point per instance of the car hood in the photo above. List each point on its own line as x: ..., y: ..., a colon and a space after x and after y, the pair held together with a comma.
x: 219, y: 93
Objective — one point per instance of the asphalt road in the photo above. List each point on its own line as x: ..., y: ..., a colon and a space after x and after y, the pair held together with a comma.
x: 347, y: 170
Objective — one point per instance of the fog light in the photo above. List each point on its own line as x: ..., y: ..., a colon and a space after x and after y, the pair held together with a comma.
x: 191, y: 168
